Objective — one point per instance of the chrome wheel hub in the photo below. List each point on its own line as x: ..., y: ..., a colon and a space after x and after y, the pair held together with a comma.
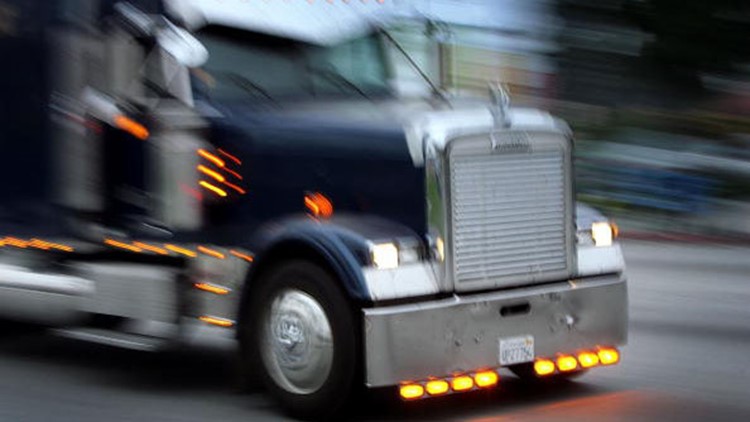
x: 296, y: 342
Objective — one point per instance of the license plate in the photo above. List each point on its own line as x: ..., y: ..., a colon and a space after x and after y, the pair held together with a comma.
x: 515, y: 350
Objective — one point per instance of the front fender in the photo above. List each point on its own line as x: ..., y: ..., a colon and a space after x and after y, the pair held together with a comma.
x: 341, y: 245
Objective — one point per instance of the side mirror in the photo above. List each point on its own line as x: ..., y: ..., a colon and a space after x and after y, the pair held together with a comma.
x: 177, y: 42
x: 181, y: 45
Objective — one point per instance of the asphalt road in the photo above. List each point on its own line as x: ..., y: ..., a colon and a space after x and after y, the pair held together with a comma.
x: 687, y: 360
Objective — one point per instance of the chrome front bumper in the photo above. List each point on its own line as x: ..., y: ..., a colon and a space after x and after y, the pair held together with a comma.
x: 461, y: 334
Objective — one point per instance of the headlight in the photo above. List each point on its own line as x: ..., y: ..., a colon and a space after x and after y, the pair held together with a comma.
x: 384, y: 255
x: 603, y: 233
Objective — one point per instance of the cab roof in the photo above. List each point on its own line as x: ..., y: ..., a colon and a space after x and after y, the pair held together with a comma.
x: 320, y: 22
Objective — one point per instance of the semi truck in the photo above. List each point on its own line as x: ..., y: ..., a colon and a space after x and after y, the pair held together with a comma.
x: 246, y: 171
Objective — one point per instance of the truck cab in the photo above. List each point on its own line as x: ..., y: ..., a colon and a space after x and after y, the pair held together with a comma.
x: 248, y: 172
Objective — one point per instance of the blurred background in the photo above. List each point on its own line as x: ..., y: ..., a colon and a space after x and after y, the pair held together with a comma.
x: 657, y: 92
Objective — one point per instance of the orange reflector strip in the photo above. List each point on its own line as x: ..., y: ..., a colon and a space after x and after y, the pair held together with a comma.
x: 211, y: 252
x: 182, y: 251
x: 485, y: 379
x: 131, y: 126
x: 39, y: 244
x: 211, y: 288
x: 241, y: 255
x: 411, y: 391
x: 436, y: 387
x: 609, y: 356
x: 462, y: 383
x: 235, y: 187
x: 12, y: 241
x: 64, y: 248
x: 319, y: 205
x: 210, y: 157
x: 221, y: 322
x: 207, y: 171
x: 544, y: 367
x: 230, y: 156
x: 121, y: 245
x: 588, y: 359
x: 567, y: 363
x: 233, y: 173
x: 213, y: 188
x: 151, y: 248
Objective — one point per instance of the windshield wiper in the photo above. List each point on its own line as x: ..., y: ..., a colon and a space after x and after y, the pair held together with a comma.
x: 435, y: 90
x: 246, y: 84
x: 339, y: 79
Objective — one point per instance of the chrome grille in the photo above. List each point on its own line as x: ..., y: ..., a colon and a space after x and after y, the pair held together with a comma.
x: 509, y: 215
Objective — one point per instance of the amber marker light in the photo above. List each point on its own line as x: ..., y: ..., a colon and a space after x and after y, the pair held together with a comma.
x: 235, y: 187
x: 181, y: 251
x: 230, y: 156
x: 121, y: 245
x: 485, y: 379
x: 437, y: 387
x: 18, y: 243
x: 319, y: 205
x: 543, y: 367
x: 588, y: 359
x: 212, y: 158
x: 233, y: 173
x: 211, y: 288
x: 131, y: 126
x: 608, y: 356
x: 411, y: 391
x: 462, y: 383
x: 211, y: 252
x: 151, y: 248
x: 212, y: 188
x: 207, y: 171
x: 567, y: 363
x: 241, y: 255
x: 221, y: 322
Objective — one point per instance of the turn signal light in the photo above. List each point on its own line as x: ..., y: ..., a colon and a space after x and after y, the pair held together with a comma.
x: 567, y: 363
x: 544, y: 367
x: 608, y: 356
x: 437, y: 387
x: 485, y: 379
x: 588, y: 359
x: 411, y: 391
x: 462, y: 383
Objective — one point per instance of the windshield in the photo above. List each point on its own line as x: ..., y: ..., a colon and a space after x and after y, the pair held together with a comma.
x: 243, y: 65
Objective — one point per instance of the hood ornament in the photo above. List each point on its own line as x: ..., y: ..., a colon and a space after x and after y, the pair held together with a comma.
x: 500, y: 105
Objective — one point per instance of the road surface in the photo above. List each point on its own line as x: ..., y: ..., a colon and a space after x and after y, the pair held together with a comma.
x: 686, y: 360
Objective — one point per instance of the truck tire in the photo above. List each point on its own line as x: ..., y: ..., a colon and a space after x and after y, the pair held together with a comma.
x: 302, y: 340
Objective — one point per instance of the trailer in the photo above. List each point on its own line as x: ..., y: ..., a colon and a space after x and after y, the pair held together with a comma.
x: 243, y: 170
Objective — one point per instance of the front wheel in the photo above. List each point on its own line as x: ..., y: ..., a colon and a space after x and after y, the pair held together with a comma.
x: 302, y: 340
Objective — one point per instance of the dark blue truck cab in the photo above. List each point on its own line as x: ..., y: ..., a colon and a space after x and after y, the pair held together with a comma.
x: 181, y: 170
